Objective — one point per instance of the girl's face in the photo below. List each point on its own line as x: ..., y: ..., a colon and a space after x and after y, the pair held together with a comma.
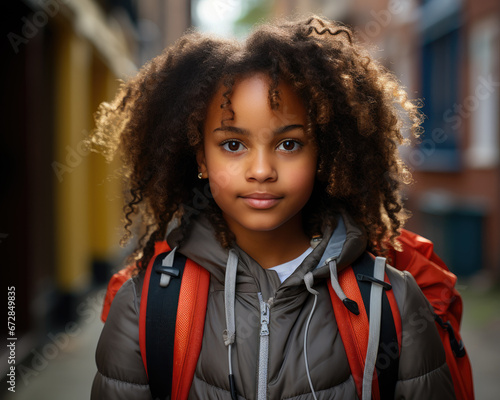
x: 261, y: 165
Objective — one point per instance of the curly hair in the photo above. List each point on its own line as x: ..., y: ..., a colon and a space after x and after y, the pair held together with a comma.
x: 355, y: 110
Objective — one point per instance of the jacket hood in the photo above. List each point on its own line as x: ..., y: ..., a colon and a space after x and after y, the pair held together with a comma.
x: 345, y: 243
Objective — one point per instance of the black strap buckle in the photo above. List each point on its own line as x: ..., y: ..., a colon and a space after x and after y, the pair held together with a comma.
x: 170, y: 271
x: 457, y: 346
x: 367, y: 278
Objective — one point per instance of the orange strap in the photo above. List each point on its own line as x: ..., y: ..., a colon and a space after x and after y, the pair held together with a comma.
x: 353, y: 329
x: 115, y: 283
x: 189, y: 327
x: 395, y: 312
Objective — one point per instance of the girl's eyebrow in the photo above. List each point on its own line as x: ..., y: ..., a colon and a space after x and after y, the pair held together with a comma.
x: 241, y: 131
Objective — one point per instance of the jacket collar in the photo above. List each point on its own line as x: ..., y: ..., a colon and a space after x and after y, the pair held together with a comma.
x: 346, y: 242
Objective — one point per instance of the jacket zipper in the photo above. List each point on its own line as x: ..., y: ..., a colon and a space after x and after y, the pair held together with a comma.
x: 263, y: 348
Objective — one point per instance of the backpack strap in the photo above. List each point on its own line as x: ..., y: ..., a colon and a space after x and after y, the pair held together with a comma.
x: 356, y: 282
x: 387, y: 360
x: 353, y: 331
x: 189, y: 328
x: 171, y: 322
x: 374, y: 318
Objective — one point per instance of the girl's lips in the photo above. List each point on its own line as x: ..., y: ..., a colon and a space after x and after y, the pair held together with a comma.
x: 261, y: 201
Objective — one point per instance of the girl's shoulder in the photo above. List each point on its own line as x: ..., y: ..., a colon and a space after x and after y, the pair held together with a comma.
x: 408, y: 294
x: 125, y: 301
x: 120, y: 281
x: 418, y: 325
x: 118, y: 347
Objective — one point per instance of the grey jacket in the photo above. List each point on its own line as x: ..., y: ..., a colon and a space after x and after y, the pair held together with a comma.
x: 423, y: 373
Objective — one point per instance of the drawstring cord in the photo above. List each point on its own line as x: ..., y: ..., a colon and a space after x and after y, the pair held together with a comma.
x: 351, y: 305
x: 229, y: 333
x: 309, y: 281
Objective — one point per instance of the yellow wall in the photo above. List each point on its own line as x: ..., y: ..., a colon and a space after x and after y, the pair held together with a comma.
x: 72, y: 117
x: 105, y: 197
x: 88, y: 189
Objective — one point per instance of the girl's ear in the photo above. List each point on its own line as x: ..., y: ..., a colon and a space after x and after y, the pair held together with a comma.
x: 202, y: 165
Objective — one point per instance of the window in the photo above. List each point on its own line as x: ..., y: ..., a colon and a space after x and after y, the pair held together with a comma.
x: 482, y: 102
x: 441, y: 35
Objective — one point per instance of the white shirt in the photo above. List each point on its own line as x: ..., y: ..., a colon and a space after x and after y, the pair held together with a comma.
x: 287, y: 269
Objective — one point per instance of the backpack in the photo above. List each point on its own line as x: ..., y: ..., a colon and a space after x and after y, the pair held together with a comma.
x: 179, y: 312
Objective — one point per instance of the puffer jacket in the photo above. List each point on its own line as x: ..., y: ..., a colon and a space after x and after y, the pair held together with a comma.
x: 423, y: 373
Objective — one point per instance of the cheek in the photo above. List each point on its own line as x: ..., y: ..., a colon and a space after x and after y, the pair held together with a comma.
x: 301, y: 180
x: 221, y: 175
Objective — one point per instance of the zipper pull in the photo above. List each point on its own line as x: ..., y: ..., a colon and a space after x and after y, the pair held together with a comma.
x: 264, y: 316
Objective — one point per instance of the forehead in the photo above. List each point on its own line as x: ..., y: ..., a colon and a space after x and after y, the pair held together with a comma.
x: 251, y: 104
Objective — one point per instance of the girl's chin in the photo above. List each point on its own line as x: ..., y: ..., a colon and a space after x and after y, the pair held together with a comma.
x: 263, y: 224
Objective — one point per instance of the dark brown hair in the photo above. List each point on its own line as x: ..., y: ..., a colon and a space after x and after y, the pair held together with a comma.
x: 355, y: 109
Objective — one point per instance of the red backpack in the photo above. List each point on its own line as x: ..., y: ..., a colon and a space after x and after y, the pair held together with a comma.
x: 187, y: 300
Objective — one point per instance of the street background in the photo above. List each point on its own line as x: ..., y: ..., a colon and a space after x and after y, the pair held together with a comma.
x: 61, y: 204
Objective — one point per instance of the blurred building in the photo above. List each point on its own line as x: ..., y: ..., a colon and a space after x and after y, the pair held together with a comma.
x: 446, y: 52
x: 457, y: 196
x: 61, y: 204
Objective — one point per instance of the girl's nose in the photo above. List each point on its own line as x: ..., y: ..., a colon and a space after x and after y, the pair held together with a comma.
x: 261, y: 168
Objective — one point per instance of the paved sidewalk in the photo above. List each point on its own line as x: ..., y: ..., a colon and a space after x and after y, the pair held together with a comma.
x: 481, y: 335
x: 70, y: 374
x: 66, y: 373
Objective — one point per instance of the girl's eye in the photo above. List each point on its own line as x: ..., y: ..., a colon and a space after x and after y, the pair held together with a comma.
x: 232, y: 146
x: 289, y: 145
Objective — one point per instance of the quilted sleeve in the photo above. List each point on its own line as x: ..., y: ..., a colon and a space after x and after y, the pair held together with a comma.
x: 120, y: 371
x: 423, y: 372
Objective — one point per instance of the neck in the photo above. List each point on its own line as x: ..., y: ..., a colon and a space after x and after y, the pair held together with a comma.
x: 271, y: 248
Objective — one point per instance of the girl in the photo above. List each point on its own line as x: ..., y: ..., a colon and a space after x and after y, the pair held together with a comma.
x: 274, y: 160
